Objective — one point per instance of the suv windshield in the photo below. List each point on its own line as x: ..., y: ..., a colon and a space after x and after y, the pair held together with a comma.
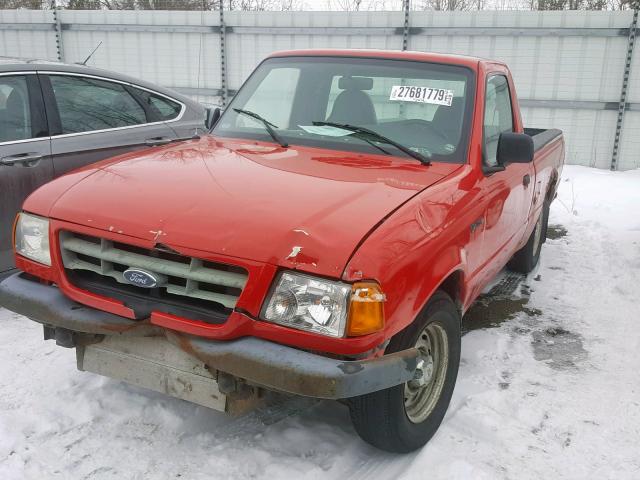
x: 424, y: 107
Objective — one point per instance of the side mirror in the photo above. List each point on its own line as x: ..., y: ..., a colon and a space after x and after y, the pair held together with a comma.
x: 514, y: 148
x: 213, y: 115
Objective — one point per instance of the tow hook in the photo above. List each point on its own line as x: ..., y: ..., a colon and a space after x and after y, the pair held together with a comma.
x: 423, y: 373
x: 69, y: 339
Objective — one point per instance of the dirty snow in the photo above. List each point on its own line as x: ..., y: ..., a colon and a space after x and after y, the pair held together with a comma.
x: 548, y: 386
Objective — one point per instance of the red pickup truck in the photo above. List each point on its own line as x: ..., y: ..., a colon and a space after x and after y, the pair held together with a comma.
x: 325, y: 240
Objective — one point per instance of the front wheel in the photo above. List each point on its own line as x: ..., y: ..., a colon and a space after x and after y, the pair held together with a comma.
x: 403, y: 418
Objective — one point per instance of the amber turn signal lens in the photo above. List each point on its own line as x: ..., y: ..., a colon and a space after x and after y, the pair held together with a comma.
x: 366, y: 312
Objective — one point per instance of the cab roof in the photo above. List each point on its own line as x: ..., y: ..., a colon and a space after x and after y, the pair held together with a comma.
x: 464, y: 60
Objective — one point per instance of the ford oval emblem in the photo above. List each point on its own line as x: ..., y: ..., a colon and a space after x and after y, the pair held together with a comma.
x: 140, y: 278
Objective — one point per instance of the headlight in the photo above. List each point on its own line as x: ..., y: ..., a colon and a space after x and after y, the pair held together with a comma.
x: 323, y: 306
x: 32, y: 238
x: 308, y: 303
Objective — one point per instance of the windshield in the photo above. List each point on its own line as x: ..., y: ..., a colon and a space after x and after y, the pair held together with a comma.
x: 424, y: 107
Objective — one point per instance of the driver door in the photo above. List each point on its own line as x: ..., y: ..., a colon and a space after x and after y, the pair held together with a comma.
x: 508, y: 193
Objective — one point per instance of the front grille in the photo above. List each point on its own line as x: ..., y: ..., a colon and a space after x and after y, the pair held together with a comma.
x: 97, y: 265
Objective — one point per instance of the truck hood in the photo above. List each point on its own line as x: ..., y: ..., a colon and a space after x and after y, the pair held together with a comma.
x: 298, y: 207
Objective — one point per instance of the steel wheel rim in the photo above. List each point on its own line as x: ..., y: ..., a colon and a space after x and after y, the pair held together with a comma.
x: 419, y: 401
x: 537, y: 234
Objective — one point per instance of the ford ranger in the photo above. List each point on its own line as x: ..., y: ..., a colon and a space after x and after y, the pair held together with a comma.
x: 325, y: 240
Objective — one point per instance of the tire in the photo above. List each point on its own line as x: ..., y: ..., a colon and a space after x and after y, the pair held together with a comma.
x: 525, y: 259
x: 545, y: 227
x: 387, y: 419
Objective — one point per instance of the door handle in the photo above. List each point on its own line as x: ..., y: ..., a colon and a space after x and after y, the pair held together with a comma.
x: 25, y: 159
x: 151, y: 142
x: 526, y: 180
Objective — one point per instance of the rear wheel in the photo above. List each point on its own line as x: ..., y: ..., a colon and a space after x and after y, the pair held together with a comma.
x: 525, y: 259
x: 404, y: 418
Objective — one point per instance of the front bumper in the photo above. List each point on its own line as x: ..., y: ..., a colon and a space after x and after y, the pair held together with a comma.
x: 258, y: 361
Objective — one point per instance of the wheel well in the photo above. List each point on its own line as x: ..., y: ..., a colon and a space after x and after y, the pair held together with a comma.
x: 551, y: 189
x: 452, y: 286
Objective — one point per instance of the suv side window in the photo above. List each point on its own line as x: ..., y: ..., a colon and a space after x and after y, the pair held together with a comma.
x: 15, y: 113
x: 86, y: 104
x: 498, y: 116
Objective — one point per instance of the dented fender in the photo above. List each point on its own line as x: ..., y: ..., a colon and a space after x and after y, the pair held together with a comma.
x: 418, y: 247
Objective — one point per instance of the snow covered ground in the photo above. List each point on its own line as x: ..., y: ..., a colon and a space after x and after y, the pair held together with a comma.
x: 552, y: 392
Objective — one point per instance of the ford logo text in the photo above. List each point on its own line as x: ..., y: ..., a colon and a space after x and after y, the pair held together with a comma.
x: 140, y: 278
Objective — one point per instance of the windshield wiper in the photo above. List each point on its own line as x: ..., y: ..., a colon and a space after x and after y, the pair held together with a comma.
x: 362, y: 130
x: 267, y: 125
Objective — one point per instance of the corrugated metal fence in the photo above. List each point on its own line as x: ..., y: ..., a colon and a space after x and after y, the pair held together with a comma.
x: 576, y: 70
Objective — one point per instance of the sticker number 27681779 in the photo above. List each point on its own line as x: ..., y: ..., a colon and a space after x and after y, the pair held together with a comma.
x: 406, y: 93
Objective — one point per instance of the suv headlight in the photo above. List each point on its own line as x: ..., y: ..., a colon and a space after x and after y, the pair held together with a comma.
x: 32, y: 238
x: 324, y: 306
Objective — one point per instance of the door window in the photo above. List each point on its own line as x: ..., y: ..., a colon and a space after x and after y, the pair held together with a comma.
x: 86, y: 104
x: 160, y: 108
x: 498, y: 117
x: 15, y: 114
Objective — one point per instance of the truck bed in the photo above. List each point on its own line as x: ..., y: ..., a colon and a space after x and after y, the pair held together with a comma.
x: 542, y: 136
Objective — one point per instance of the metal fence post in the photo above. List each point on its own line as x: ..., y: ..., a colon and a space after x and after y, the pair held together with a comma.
x: 58, y: 26
x: 223, y: 60
x: 623, y: 92
x: 405, y: 30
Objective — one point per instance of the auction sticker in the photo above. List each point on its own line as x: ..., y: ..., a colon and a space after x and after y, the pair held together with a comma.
x: 406, y: 93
